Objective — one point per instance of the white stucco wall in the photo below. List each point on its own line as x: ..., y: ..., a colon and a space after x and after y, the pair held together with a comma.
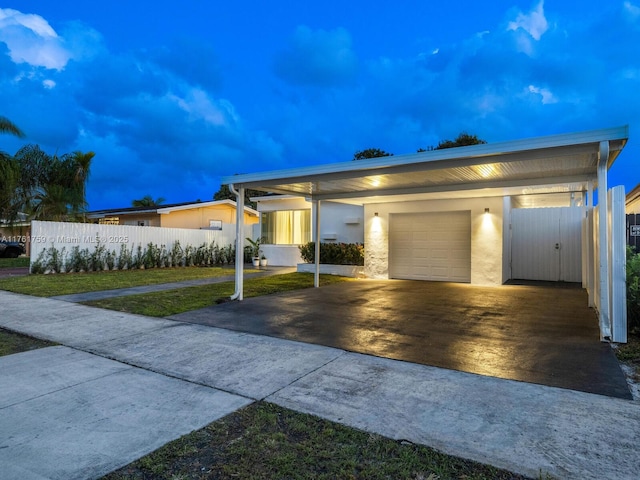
x: 486, y: 235
x: 333, y: 225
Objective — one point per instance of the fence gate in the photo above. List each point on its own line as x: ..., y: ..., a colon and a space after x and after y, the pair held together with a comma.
x: 633, y: 231
x: 546, y: 244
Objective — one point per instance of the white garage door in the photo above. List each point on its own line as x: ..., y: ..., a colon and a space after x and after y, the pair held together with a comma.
x: 430, y: 246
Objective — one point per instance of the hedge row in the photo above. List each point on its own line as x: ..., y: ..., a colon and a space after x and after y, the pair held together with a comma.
x: 334, y: 253
x: 53, y: 260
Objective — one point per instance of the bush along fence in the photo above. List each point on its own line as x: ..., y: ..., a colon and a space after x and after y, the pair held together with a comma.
x: 334, y: 253
x: 76, y: 259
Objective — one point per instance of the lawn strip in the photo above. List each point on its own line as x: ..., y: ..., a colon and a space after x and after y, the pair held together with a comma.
x: 11, y: 342
x: 68, y: 283
x: 264, y: 440
x: 172, y: 302
x: 14, y: 262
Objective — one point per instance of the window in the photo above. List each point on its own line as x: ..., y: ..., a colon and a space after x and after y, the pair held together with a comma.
x: 215, y: 224
x: 286, y: 227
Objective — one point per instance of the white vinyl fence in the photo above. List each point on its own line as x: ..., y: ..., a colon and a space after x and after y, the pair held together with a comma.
x: 67, y: 235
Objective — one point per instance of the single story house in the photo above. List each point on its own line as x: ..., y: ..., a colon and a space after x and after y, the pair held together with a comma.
x: 286, y: 223
x: 457, y: 214
x: 199, y: 215
x: 632, y: 201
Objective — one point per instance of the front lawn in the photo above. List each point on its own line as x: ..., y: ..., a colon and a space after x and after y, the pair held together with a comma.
x: 67, y: 283
x: 14, y: 262
x: 172, y: 302
x: 11, y: 343
x: 264, y: 440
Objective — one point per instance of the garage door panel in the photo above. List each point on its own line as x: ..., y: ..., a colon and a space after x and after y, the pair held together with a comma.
x: 430, y: 246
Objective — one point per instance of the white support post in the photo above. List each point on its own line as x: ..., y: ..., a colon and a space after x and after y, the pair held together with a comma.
x: 316, y: 206
x: 239, y: 270
x: 603, y: 250
x: 589, y: 243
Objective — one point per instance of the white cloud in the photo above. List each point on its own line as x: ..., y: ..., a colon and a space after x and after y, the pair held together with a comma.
x: 632, y: 10
x: 48, y: 84
x: 534, y: 23
x: 545, y: 93
x: 200, y: 106
x: 30, y: 39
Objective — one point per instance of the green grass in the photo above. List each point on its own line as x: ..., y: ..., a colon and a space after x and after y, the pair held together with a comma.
x: 14, y: 262
x: 267, y: 441
x: 67, y: 283
x: 171, y: 302
x: 11, y: 343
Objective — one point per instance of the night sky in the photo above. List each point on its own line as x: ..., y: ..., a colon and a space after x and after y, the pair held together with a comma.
x: 171, y: 96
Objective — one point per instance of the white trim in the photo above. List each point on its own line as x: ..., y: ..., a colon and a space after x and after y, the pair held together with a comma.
x: 474, y: 155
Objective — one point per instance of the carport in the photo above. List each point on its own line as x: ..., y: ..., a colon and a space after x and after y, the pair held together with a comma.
x: 477, y: 185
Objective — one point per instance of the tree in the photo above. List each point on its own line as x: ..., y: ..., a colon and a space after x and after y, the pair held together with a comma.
x: 82, y: 166
x: 9, y: 175
x: 371, y: 153
x: 464, y: 139
x: 225, y: 194
x: 148, y: 201
x: 7, y: 126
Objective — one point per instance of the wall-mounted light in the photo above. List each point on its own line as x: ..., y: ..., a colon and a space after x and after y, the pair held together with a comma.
x: 486, y: 210
x: 375, y: 214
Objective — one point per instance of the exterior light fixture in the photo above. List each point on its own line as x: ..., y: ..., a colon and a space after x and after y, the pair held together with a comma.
x: 375, y: 214
x: 486, y: 210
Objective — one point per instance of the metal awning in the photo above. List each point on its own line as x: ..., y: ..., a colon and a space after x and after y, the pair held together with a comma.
x: 552, y: 164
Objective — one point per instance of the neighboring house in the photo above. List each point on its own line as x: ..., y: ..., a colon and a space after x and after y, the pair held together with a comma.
x: 18, y: 231
x: 632, y: 207
x: 457, y: 214
x: 632, y: 201
x: 200, y: 215
x: 286, y: 222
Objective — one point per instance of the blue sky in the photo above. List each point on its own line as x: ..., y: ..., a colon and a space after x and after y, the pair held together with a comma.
x: 174, y: 95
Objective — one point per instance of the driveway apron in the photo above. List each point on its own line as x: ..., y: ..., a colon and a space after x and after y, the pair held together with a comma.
x: 536, y: 334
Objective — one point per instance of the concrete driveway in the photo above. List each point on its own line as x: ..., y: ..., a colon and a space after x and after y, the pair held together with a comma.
x: 537, y: 334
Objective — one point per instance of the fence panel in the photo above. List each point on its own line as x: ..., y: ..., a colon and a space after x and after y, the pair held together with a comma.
x: 86, y: 235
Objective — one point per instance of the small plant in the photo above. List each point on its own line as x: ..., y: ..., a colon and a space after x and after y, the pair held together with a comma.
x: 97, y: 258
x: 124, y: 259
x: 254, y: 246
x: 55, y: 259
x: 110, y: 259
x: 176, y: 256
x: 38, y: 265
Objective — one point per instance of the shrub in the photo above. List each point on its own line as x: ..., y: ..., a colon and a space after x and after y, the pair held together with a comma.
x: 124, y: 259
x: 334, y: 253
x: 633, y: 291
x: 55, y: 259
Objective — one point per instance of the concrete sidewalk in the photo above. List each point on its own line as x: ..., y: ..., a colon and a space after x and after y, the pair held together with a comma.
x: 526, y: 428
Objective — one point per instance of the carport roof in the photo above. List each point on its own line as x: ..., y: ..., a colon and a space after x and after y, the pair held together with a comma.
x: 552, y: 164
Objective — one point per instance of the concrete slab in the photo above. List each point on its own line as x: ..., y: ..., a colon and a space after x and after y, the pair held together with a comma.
x: 71, y: 324
x: 249, y: 365
x: 25, y: 377
x: 109, y: 416
x: 542, y: 334
x: 525, y: 428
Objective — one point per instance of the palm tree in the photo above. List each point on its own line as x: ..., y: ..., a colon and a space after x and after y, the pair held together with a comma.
x: 82, y: 165
x: 7, y: 126
x: 147, y: 201
x: 52, y: 203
